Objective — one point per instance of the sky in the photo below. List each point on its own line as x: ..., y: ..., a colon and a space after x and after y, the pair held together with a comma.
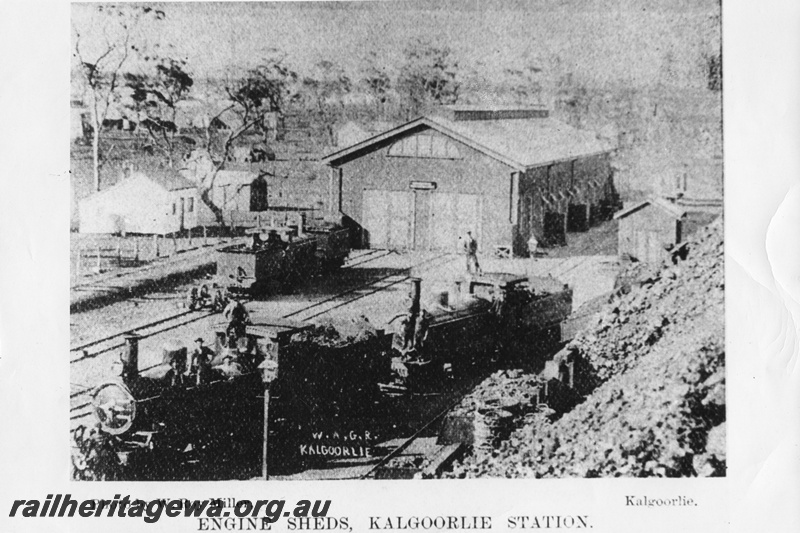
x: 623, y: 41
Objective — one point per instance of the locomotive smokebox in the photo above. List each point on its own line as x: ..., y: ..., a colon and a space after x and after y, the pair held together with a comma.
x: 130, y: 357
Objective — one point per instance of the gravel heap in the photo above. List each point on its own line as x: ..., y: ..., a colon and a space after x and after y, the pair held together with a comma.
x: 497, y: 406
x: 338, y: 332
x: 652, y: 367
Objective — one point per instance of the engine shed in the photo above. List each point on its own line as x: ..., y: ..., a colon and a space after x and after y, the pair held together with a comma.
x: 505, y: 174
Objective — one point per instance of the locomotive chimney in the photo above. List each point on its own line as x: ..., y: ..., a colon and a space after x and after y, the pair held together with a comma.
x: 415, y: 292
x: 130, y: 357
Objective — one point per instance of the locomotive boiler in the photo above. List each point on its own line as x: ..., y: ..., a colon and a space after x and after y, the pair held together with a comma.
x: 480, y: 321
x: 283, y: 394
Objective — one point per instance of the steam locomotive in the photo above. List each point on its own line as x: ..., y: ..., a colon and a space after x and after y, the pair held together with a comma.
x: 279, y: 256
x: 268, y: 394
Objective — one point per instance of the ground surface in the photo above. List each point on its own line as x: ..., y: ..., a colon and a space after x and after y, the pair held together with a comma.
x: 373, y: 283
x: 652, y: 367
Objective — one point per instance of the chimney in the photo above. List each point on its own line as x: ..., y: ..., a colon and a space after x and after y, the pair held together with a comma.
x: 130, y: 358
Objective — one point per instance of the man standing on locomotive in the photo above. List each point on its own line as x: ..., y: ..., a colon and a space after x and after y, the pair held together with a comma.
x: 238, y: 318
x: 201, y: 360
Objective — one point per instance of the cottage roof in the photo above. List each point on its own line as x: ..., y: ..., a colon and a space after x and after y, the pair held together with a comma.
x: 665, y: 205
x: 169, y: 179
x: 520, y: 143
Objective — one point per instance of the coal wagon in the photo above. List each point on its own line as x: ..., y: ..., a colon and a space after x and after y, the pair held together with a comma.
x: 275, y: 259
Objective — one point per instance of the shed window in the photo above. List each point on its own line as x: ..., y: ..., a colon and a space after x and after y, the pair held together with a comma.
x: 425, y: 145
x: 190, y: 204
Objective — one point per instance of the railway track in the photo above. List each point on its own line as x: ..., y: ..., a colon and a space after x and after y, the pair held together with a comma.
x: 347, y: 297
x: 112, y: 342
x: 106, y: 344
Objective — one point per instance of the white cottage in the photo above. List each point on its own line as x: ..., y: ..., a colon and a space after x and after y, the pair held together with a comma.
x: 156, y: 202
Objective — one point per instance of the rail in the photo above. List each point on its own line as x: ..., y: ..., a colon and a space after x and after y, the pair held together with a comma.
x: 142, y: 329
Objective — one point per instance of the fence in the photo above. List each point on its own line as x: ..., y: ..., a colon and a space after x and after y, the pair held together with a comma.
x: 110, y: 253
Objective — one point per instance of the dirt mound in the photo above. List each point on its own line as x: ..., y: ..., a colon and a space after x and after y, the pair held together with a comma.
x: 338, y: 332
x: 653, y: 369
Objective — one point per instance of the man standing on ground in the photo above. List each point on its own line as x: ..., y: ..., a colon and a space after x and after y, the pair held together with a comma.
x: 470, y: 246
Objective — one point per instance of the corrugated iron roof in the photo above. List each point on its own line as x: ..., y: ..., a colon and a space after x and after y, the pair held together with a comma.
x: 166, y: 178
x: 663, y: 204
x: 520, y: 143
x: 529, y: 142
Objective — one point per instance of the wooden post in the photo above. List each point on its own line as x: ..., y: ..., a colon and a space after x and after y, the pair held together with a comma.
x: 190, y: 237
x: 155, y: 245
x: 119, y: 253
x: 205, y: 236
x: 98, y: 258
x: 258, y: 220
x: 136, y: 250
x: 265, y: 449
x: 174, y: 244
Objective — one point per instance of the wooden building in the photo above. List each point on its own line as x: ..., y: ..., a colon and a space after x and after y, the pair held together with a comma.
x: 156, y: 202
x: 503, y: 173
x: 239, y: 190
x: 648, y: 229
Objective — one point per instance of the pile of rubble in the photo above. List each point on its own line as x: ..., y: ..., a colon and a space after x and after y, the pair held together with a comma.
x: 652, y: 367
x: 497, y: 407
x: 334, y: 333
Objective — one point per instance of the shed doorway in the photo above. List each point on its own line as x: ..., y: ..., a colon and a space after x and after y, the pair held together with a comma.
x: 578, y: 217
x: 388, y: 217
x: 555, y: 229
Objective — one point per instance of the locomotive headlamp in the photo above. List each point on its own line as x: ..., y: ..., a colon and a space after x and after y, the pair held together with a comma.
x: 114, y: 407
x: 269, y: 370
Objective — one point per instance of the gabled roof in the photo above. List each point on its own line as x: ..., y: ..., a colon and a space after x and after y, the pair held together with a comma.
x: 519, y: 143
x: 167, y: 178
x: 675, y: 211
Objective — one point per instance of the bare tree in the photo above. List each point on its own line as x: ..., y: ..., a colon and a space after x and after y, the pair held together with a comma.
x: 251, y: 98
x: 326, y: 87
x: 101, y: 69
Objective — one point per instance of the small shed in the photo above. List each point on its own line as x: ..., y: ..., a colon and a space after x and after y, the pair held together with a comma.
x: 648, y: 229
x: 240, y: 190
x: 157, y: 202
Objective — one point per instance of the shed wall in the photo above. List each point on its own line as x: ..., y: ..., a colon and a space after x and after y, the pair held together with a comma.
x: 473, y: 174
x: 645, y: 234
x: 552, y: 189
